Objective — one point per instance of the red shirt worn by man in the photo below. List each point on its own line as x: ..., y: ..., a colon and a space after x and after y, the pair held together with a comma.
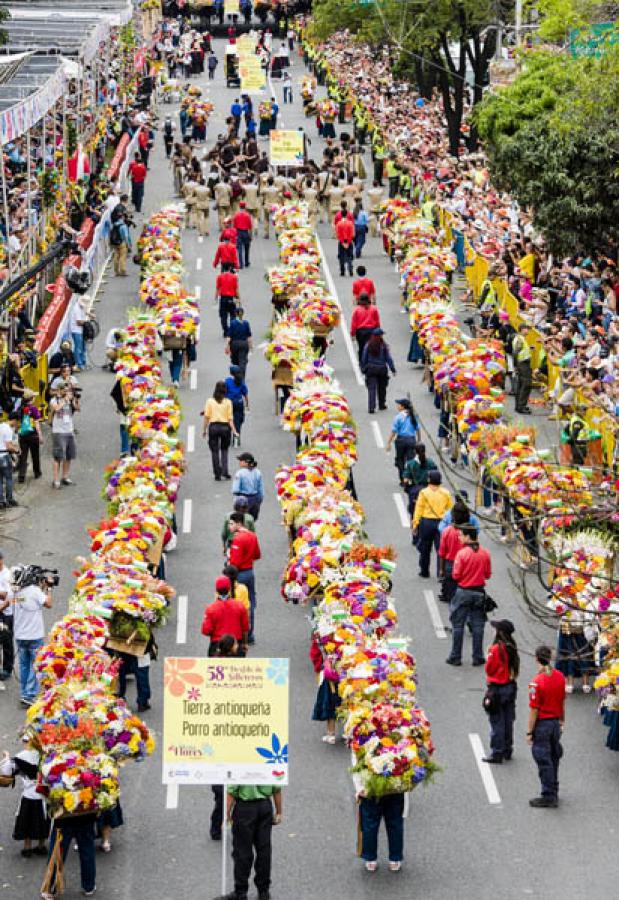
x: 226, y: 253
x: 227, y: 284
x: 225, y: 616
x: 244, y: 550
x: 137, y: 172
x: 345, y: 232
x: 364, y: 317
x: 547, y: 695
x: 472, y: 568
x: 228, y: 234
x: 242, y: 221
x: 363, y: 286
x: 340, y: 215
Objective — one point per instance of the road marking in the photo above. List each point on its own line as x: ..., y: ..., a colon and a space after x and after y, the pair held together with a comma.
x: 344, y: 325
x: 181, y: 619
x: 187, y: 504
x: 198, y: 332
x: 485, y: 770
x: 193, y: 379
x: 191, y: 438
x: 199, y: 263
x: 435, y: 614
x: 405, y: 519
x: 200, y: 238
x: 171, y: 796
x: 198, y: 291
x: 378, y: 436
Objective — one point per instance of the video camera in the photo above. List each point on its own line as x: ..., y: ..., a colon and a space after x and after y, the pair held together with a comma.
x: 25, y: 576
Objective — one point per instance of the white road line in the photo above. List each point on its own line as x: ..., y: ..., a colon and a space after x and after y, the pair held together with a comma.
x: 193, y: 379
x: 200, y: 238
x: 171, y: 796
x: 187, y: 505
x: 198, y: 332
x: 405, y: 519
x: 181, y: 619
x: 191, y: 438
x: 485, y: 770
x: 197, y: 291
x: 435, y: 614
x: 343, y: 323
x: 199, y: 263
x: 377, y: 435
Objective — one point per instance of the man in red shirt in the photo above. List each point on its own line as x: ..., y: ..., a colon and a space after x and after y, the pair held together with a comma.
x: 226, y: 253
x: 363, y: 285
x: 225, y: 616
x: 229, y: 232
x: 345, y: 234
x: 227, y: 292
x: 343, y: 213
x: 365, y: 319
x: 145, y: 143
x: 244, y: 229
x: 243, y: 553
x: 471, y: 570
x: 545, y: 725
x: 137, y: 174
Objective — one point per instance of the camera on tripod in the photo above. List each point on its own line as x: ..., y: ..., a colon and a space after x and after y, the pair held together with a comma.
x: 25, y: 576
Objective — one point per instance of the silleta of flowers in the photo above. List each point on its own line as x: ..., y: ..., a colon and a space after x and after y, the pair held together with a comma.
x: 331, y: 564
x: 84, y: 732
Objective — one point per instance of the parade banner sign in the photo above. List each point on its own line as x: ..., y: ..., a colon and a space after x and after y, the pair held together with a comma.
x: 231, y: 7
x: 287, y: 148
x: 253, y: 79
x: 225, y: 721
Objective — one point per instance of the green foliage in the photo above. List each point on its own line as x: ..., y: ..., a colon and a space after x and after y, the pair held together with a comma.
x: 4, y: 15
x: 552, y: 139
x: 559, y: 16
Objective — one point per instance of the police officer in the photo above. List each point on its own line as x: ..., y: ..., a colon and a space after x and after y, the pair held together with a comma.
x: 393, y: 176
x: 521, y: 353
x: 545, y: 725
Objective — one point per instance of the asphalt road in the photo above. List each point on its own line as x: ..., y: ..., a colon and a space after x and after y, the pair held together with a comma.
x: 465, y: 837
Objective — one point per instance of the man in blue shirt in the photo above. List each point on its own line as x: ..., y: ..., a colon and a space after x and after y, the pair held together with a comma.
x: 237, y: 393
x: 236, y: 110
x: 238, y: 340
x: 248, y: 483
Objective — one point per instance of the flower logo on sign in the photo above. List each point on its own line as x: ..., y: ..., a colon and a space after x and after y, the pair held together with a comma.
x: 277, y: 671
x: 178, y: 676
x: 276, y: 753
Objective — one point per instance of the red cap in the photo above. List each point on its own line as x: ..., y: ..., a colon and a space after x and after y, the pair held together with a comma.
x: 242, y: 204
x: 222, y: 585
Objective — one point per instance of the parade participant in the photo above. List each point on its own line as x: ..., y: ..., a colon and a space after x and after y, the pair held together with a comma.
x: 472, y: 568
x: 545, y: 726
x: 223, y: 199
x: 227, y: 293
x: 226, y: 254
x: 137, y: 174
x: 243, y: 553
x: 253, y: 810
x: 29, y: 434
x: 575, y: 654
x: 327, y: 698
x: 168, y: 135
x: 227, y: 647
x: 450, y: 544
x: 365, y: 319
x: 244, y: 225
x: 363, y: 285
x: 376, y: 362
x: 31, y: 820
x: 240, y: 505
x: 238, y: 394
x: 415, y: 474
x: 270, y: 195
x: 345, y: 234
x: 202, y: 202
x: 361, y: 227
x: 239, y: 340
x: 432, y: 504
x: 376, y: 199
x: 405, y: 433
x: 521, y: 353
x: 219, y: 425
x: 81, y: 830
x: 248, y: 483
x: 502, y: 669
x: 371, y: 812
x: 223, y: 616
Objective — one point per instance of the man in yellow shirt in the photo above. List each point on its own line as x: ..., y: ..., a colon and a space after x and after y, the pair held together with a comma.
x: 432, y: 504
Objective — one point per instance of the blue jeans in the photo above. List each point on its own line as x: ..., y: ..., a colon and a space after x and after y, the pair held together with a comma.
x: 176, y: 365
x: 415, y: 353
x: 142, y: 681
x: 26, y: 652
x: 243, y: 242
x: 547, y: 751
x: 6, y: 478
x: 78, y: 349
x: 502, y: 721
x: 124, y: 439
x: 247, y: 577
x: 390, y: 808
x: 466, y: 606
x: 83, y: 831
x: 360, y: 233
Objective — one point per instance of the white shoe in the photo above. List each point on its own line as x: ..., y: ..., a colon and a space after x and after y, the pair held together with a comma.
x: 371, y: 866
x: 328, y: 738
x: 586, y: 688
x: 569, y: 688
x: 394, y: 866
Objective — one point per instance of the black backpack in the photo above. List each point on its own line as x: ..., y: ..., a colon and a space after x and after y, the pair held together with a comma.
x: 116, y: 237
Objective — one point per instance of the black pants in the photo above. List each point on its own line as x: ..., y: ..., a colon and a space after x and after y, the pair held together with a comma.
x: 428, y: 536
x: 219, y: 436
x: 524, y: 380
x: 377, y: 384
x: 226, y: 308
x: 218, y: 810
x: 29, y: 442
x: 239, y: 352
x: 404, y: 447
x: 346, y: 256
x: 252, y: 821
x: 7, y: 650
x: 362, y: 336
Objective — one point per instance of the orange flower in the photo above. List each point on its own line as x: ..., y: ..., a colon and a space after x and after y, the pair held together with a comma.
x: 178, y: 675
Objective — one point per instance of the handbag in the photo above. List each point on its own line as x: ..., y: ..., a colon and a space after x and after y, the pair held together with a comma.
x: 488, y: 604
x: 491, y: 701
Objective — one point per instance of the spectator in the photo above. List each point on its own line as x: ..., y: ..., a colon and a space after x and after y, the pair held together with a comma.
x: 8, y: 446
x: 29, y: 433
x: 63, y: 407
x: 27, y: 605
x: 77, y: 319
x: 137, y: 174
x: 120, y: 240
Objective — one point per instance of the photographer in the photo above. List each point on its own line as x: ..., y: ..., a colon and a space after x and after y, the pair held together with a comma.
x: 8, y: 446
x: 60, y: 381
x: 31, y: 591
x: 64, y: 404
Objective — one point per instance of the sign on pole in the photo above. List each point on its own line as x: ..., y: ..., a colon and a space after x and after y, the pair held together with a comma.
x: 287, y: 148
x: 253, y: 77
x: 231, y: 7
x: 225, y: 721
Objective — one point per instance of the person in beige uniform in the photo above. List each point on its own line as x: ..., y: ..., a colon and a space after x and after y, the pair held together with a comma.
x: 202, y: 197
x: 335, y: 196
x: 189, y: 197
x: 252, y: 201
x: 376, y: 198
x: 223, y: 200
x: 324, y: 183
x: 270, y: 195
x: 310, y: 196
x: 353, y: 190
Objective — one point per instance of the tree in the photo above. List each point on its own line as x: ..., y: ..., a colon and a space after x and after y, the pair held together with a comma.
x: 4, y: 15
x: 552, y: 139
x: 558, y: 17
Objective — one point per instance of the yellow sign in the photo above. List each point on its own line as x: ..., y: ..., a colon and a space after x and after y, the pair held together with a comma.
x: 225, y: 721
x: 253, y: 79
x: 246, y: 44
x: 231, y: 7
x: 287, y: 148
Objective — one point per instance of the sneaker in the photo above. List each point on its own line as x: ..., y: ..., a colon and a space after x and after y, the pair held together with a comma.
x: 56, y: 484
x: 89, y: 893
x: 66, y: 481
x: 544, y: 803
x: 586, y: 688
x: 25, y: 702
x: 106, y: 847
x: 394, y: 866
x: 569, y: 688
x: 371, y: 866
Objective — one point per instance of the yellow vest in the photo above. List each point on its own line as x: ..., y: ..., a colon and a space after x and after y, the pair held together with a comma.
x: 392, y: 169
x: 520, y: 349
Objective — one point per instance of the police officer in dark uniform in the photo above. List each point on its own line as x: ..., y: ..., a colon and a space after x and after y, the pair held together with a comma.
x: 545, y: 725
